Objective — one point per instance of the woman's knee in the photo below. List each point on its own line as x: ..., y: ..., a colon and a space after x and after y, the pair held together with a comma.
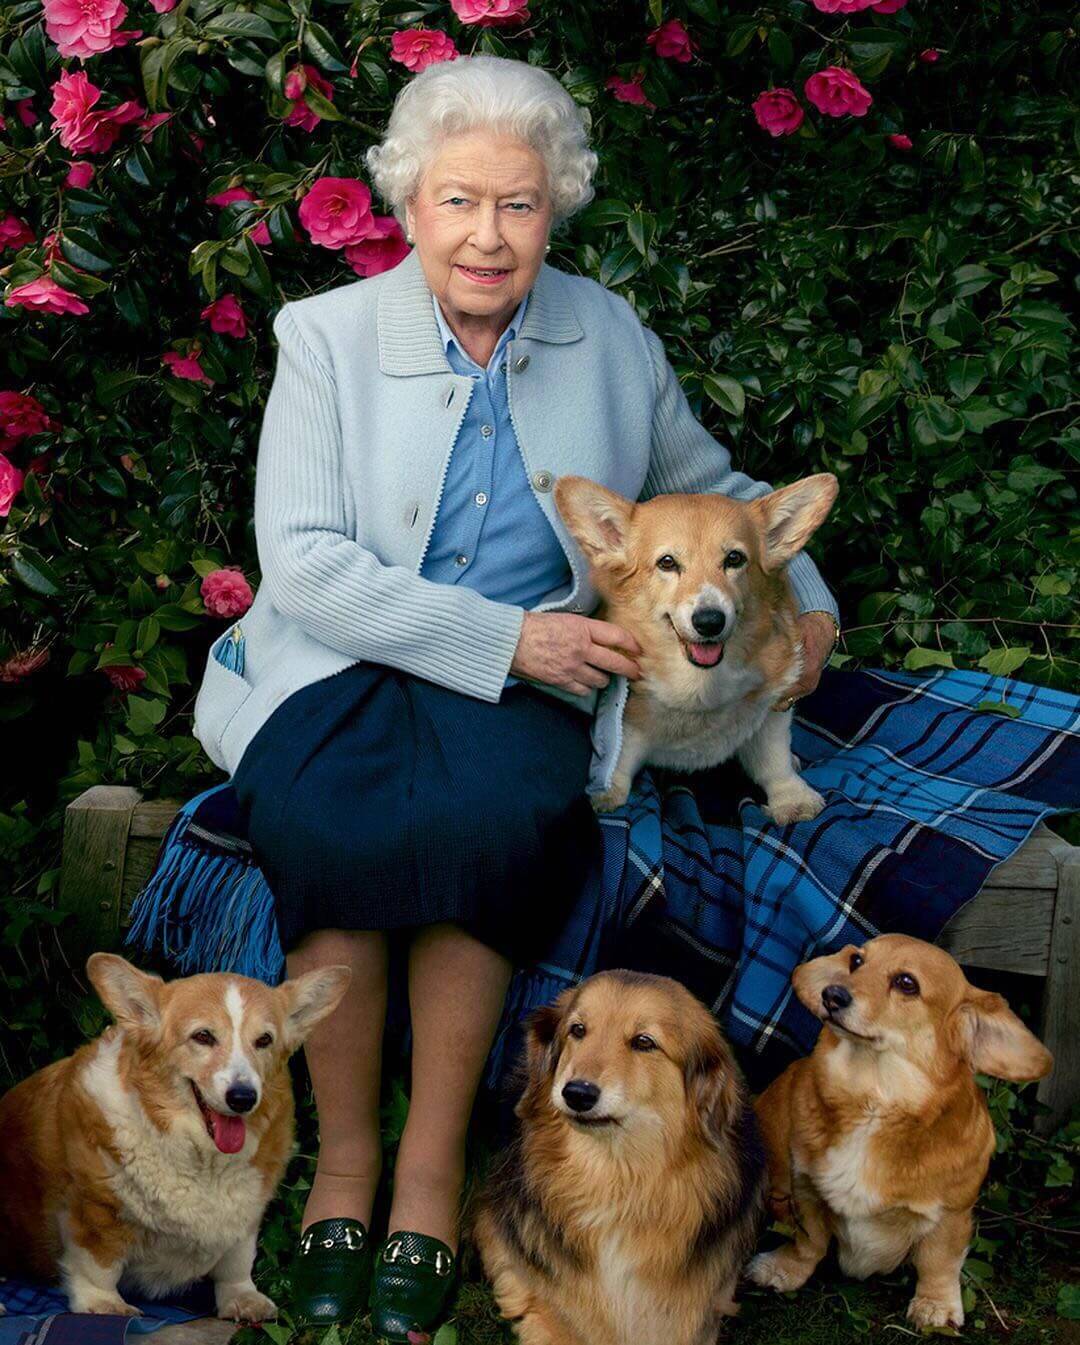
x: 336, y: 947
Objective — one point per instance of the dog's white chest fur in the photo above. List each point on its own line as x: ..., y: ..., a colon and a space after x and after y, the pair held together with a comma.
x: 636, y: 1315
x: 843, y: 1176
x: 188, y: 1206
x: 693, y: 722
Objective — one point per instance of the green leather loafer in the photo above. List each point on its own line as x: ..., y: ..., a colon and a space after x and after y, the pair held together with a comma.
x: 414, y: 1277
x: 331, y: 1272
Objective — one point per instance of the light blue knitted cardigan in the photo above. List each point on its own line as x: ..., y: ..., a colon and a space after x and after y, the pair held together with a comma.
x: 358, y: 431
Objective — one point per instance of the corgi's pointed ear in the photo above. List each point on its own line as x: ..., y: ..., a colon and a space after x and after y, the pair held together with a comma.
x: 598, y: 519
x: 133, y: 997
x: 790, y: 516
x: 310, y: 998
x: 990, y: 1037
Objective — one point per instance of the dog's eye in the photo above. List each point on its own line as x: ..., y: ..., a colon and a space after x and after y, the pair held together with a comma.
x: 856, y: 961
x: 734, y: 560
x: 204, y: 1037
x: 667, y: 562
x: 261, y: 1043
x: 576, y: 1030
x: 642, y: 1042
x: 905, y: 983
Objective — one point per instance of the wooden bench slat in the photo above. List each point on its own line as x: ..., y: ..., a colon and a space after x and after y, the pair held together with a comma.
x: 1003, y: 929
x: 1034, y: 865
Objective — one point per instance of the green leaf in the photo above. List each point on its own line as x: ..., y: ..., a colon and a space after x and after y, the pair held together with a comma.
x: 602, y: 213
x: 111, y: 481
x: 1068, y: 1302
x: 149, y: 633
x: 144, y: 714
x: 172, y: 617
x: 997, y: 708
x: 323, y: 48
x: 234, y: 23
x: 641, y: 229
x: 35, y: 572
x: 619, y: 265
x: 1003, y: 662
x: 447, y: 1334
x: 780, y: 48
x: 276, y: 71
x: 83, y: 249
x: 257, y: 277
x: 964, y: 375
x: 321, y: 105
x: 916, y: 659
x: 1060, y: 1172
x: 729, y: 395
x: 131, y: 302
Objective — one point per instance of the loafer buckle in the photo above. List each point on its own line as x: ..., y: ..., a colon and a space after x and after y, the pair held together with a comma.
x: 444, y: 1263
x: 392, y: 1251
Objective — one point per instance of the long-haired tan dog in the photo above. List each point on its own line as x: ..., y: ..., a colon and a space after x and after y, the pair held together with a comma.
x: 150, y: 1154
x: 626, y: 1208
x: 882, y: 1137
x: 699, y: 580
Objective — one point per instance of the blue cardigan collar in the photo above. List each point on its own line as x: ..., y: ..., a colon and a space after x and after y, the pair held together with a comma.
x: 409, y: 339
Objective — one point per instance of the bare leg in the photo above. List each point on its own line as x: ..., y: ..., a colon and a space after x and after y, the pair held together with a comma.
x: 938, y: 1258
x: 456, y: 990
x: 344, y: 1058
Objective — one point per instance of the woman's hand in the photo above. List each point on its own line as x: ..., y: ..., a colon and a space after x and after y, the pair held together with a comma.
x: 576, y: 653
x: 817, y: 631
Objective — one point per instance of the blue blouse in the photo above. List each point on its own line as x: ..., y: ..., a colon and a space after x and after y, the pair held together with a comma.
x: 490, y: 533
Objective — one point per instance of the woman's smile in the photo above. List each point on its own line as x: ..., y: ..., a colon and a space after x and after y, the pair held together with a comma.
x: 488, y: 275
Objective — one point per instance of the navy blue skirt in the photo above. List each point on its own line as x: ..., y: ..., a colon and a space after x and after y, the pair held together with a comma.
x: 376, y: 800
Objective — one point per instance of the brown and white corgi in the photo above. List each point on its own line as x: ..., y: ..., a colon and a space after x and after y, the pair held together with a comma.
x: 882, y: 1138
x: 699, y: 580
x: 150, y: 1154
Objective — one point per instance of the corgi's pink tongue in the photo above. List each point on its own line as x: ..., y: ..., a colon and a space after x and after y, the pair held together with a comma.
x: 228, y: 1132
x: 706, y: 655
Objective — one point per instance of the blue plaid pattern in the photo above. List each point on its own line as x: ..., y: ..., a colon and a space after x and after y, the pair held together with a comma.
x: 926, y: 791
x: 35, y: 1314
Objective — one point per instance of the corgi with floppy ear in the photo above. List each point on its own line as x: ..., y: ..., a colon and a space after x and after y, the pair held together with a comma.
x: 882, y: 1138
x: 624, y: 1210
x: 699, y: 580
x: 150, y: 1154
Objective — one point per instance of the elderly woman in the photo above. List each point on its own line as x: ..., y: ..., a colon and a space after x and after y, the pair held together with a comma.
x: 422, y: 687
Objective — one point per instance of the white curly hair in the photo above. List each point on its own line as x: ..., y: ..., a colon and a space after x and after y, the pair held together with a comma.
x: 485, y: 92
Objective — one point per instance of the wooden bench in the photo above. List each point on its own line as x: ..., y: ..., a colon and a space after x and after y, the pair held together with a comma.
x: 1026, y: 919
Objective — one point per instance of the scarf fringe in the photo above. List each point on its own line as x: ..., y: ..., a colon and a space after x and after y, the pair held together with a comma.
x: 207, y: 911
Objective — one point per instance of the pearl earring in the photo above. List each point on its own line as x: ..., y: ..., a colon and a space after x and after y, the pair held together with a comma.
x: 408, y: 238
x: 548, y: 248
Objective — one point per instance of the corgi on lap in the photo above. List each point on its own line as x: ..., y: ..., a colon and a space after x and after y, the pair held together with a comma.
x: 150, y: 1154
x: 699, y: 581
x: 882, y: 1138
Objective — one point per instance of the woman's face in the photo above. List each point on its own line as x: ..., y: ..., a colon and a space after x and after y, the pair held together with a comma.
x: 480, y: 221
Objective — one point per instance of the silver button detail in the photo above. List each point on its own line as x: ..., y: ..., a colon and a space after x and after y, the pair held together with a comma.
x: 487, y: 431
x: 577, y: 607
x: 461, y: 560
x: 521, y: 364
x: 481, y: 497
x: 542, y: 480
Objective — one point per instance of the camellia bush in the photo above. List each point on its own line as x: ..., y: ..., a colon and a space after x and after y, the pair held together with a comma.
x: 853, y: 222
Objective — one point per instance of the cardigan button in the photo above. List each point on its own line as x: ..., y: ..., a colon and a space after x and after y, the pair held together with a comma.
x: 521, y: 364
x: 542, y: 480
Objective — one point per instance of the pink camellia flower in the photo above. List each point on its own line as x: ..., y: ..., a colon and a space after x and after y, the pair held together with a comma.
x: 629, y: 90
x: 296, y: 81
x: 379, y: 252
x: 162, y: 6
x: 837, y: 93
x: 672, y: 41
x: 930, y: 56
x: 80, y: 173
x: 3, y: 124
x: 84, y: 128
x: 125, y: 678
x: 337, y: 211
x: 186, y: 366
x: 491, y: 13
x: 21, y: 416
x: 19, y: 666
x: 44, y: 295
x: 900, y: 141
x: 417, y: 48
x: 14, y: 232
x: 226, y: 592
x: 842, y: 6
x: 778, y: 111
x: 11, y: 480
x: 84, y: 28
x: 260, y: 235
x: 888, y: 6
x: 25, y: 108
x: 226, y: 316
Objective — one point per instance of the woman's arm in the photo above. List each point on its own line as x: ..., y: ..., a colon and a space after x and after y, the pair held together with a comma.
x: 336, y: 589
x: 687, y: 459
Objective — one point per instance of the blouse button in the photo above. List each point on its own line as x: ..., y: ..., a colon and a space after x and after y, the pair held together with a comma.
x: 461, y: 560
x: 487, y: 431
x: 521, y: 364
x: 542, y: 480
x: 481, y: 497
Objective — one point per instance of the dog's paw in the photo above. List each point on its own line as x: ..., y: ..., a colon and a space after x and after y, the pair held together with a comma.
x: 248, y: 1305
x: 779, y: 1270
x: 610, y: 799
x: 794, y: 803
x: 99, y: 1303
x: 924, y: 1311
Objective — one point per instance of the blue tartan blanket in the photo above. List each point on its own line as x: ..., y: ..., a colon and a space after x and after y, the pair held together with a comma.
x: 929, y: 781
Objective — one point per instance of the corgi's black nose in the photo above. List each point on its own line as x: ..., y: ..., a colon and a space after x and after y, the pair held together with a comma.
x: 241, y: 1097
x: 581, y: 1095
x: 835, y: 997
x: 709, y: 622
